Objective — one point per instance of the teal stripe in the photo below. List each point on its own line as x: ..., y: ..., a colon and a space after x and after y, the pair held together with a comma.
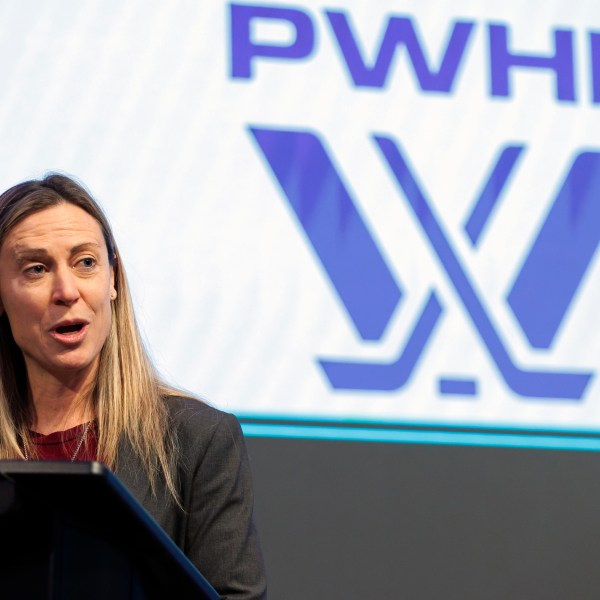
x: 345, y: 421
x: 548, y: 442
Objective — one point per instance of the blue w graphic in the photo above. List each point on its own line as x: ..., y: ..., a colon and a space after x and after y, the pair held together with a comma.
x: 540, y: 296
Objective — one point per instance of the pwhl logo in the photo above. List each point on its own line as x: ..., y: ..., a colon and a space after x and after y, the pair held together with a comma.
x: 542, y: 292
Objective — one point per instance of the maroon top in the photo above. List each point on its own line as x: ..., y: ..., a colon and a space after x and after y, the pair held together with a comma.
x: 61, y: 445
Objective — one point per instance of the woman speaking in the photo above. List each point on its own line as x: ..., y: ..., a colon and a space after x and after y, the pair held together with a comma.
x: 77, y: 384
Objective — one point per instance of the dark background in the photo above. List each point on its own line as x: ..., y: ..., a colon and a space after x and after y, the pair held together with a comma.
x: 373, y: 520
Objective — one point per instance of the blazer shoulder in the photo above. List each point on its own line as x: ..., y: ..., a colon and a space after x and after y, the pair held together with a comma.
x: 197, y: 422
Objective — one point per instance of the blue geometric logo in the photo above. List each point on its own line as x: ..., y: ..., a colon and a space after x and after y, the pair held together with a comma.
x: 540, y: 296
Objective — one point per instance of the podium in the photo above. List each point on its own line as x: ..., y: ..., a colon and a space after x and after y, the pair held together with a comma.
x: 70, y: 531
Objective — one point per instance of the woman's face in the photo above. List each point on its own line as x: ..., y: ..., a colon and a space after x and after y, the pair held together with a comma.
x: 56, y: 286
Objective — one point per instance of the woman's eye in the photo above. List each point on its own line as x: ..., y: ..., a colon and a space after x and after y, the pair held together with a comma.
x: 35, y: 270
x: 87, y: 263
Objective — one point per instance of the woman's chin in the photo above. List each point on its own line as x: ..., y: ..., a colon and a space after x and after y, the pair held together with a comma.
x: 68, y: 365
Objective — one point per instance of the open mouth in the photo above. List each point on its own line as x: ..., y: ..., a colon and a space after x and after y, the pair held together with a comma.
x: 70, y: 333
x: 66, y: 329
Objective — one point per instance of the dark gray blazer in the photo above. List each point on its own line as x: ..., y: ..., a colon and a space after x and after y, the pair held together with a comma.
x: 216, y: 529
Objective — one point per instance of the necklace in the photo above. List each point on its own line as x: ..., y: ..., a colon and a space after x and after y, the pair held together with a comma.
x: 80, y: 443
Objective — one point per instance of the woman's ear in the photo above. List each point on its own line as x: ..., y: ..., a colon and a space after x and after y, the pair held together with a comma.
x: 113, y: 270
x: 113, y: 289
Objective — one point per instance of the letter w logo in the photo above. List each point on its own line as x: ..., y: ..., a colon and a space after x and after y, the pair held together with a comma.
x: 540, y: 296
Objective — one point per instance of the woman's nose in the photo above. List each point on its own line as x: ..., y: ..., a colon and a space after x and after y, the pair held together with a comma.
x: 66, y: 288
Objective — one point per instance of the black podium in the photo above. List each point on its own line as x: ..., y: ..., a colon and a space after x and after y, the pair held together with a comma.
x: 72, y: 531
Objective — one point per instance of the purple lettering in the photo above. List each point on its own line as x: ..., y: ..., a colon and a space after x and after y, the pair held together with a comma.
x: 561, y: 62
x: 400, y: 31
x: 244, y: 50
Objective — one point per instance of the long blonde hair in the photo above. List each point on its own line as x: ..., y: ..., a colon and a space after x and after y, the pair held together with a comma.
x: 128, y: 398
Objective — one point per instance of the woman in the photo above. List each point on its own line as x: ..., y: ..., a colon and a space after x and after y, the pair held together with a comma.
x: 77, y: 384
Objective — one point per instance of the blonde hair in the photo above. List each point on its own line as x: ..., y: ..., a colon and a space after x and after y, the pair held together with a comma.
x: 128, y: 398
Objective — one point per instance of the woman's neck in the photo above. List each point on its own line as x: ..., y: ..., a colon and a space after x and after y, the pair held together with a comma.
x: 60, y: 402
